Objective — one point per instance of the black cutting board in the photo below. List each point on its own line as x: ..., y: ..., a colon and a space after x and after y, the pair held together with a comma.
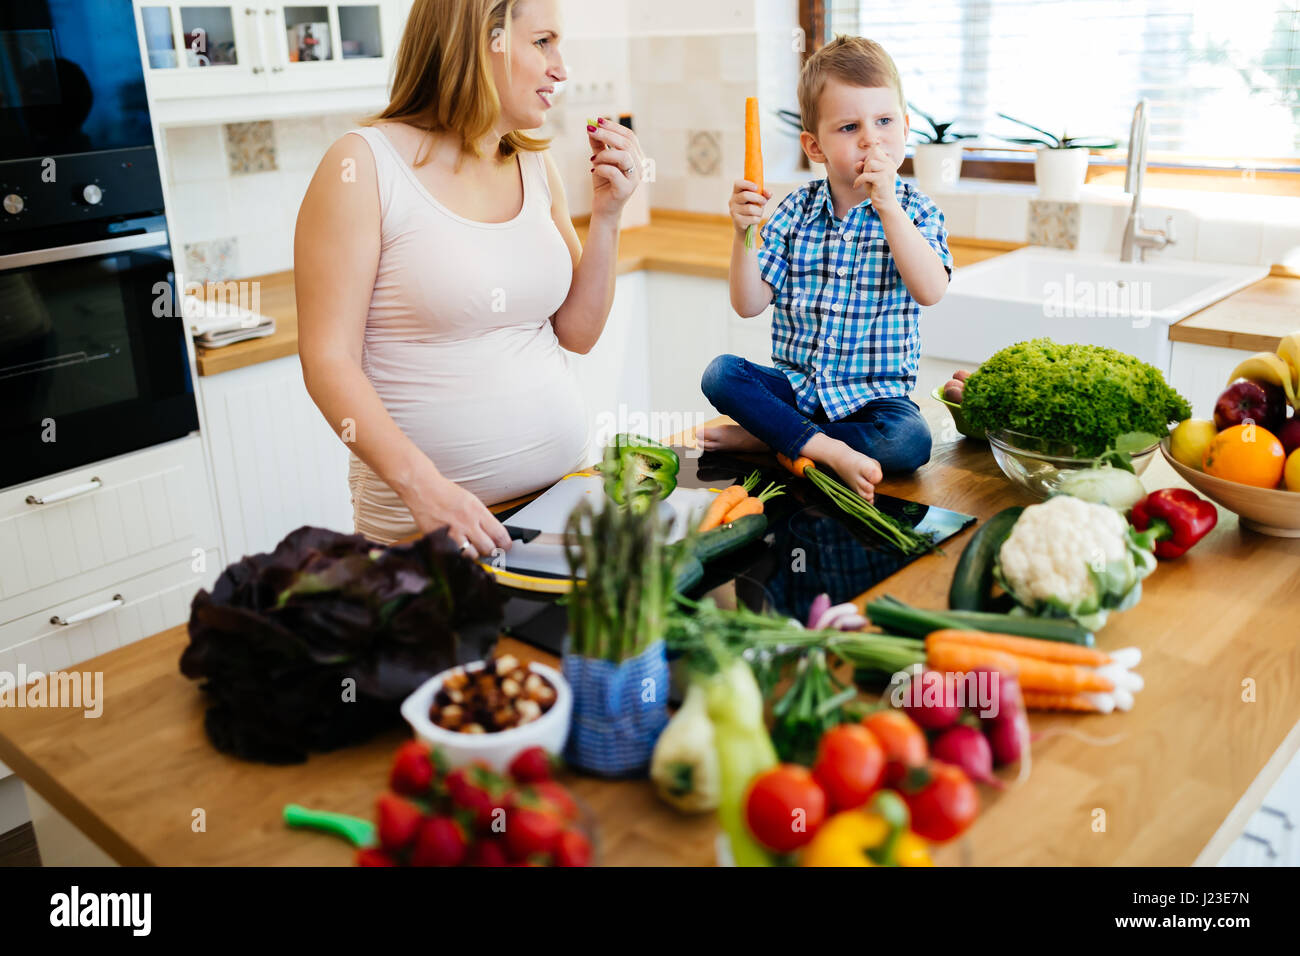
x: 811, y: 547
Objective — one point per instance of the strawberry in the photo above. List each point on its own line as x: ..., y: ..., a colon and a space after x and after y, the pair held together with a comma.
x: 557, y: 798
x: 371, y: 856
x: 478, y: 791
x: 531, y: 765
x: 399, y: 821
x: 412, y: 772
x: 531, y: 832
x: 572, y: 849
x: 440, y: 842
x: 487, y: 853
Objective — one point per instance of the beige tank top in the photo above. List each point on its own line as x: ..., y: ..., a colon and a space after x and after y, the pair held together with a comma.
x: 460, y: 347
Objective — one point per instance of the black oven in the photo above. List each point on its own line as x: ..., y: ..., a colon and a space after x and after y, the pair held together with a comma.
x: 92, y: 353
x: 93, y: 359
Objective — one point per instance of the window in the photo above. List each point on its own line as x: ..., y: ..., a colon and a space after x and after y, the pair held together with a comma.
x: 1222, y: 79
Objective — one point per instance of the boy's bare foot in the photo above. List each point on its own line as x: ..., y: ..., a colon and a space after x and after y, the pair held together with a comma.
x: 728, y: 438
x: 861, y: 473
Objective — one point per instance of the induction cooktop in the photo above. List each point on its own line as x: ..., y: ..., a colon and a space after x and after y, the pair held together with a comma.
x: 810, y: 547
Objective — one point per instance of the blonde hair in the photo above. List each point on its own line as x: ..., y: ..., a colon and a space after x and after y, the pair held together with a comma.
x: 856, y: 61
x: 442, y: 78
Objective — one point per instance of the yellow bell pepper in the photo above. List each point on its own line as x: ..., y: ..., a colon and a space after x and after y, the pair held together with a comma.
x: 875, y: 836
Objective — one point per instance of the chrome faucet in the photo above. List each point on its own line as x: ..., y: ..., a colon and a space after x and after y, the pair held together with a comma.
x: 1136, y: 239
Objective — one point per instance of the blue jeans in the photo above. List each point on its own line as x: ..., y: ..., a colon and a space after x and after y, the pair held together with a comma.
x: 761, y: 401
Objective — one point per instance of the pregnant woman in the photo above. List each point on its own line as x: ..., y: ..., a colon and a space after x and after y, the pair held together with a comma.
x: 440, y: 281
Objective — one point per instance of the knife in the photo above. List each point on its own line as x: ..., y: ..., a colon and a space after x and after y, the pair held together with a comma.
x: 534, y: 536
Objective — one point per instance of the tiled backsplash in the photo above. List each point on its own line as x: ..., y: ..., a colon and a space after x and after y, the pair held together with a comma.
x: 235, y: 189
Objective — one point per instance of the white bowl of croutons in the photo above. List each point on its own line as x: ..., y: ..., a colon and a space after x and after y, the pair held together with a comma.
x: 491, y: 710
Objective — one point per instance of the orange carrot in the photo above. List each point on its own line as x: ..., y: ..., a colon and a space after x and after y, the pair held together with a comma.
x: 753, y: 156
x: 727, y: 499
x: 1034, y: 674
x: 747, y: 506
x: 1058, y: 651
x: 1042, y: 700
x: 797, y: 466
x: 754, y: 505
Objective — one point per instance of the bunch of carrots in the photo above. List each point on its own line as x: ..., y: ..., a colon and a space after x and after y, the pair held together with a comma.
x: 1053, y: 675
x: 736, y: 502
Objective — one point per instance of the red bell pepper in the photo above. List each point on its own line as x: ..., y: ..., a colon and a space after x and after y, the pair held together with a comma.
x: 1176, y: 519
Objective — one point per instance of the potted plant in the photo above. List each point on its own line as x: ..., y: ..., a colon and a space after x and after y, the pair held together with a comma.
x: 1061, y: 163
x: 624, y: 580
x: 936, y: 160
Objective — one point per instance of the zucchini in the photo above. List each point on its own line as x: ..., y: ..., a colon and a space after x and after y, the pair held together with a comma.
x: 892, y: 614
x: 729, y: 537
x: 691, y: 574
x: 973, y: 580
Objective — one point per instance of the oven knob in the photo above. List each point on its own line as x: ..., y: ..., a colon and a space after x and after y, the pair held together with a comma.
x: 13, y: 204
x: 92, y: 194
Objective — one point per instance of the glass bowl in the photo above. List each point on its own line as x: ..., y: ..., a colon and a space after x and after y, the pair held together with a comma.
x: 1039, y: 465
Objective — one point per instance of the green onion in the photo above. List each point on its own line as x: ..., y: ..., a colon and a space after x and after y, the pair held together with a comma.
x: 889, y: 612
x: 894, y: 532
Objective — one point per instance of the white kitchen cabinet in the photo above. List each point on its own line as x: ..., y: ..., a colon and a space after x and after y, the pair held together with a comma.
x: 614, y: 377
x: 216, y: 61
x: 277, y: 465
x: 1200, y: 373
x: 1271, y: 836
x: 689, y: 325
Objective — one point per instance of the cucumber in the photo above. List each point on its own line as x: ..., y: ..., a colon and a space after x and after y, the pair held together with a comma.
x: 729, y: 537
x: 893, y: 615
x: 973, y: 580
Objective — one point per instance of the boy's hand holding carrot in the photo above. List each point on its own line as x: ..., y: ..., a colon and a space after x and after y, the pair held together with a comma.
x: 746, y: 207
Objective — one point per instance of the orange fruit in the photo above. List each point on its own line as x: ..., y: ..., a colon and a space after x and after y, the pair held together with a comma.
x: 1246, y: 454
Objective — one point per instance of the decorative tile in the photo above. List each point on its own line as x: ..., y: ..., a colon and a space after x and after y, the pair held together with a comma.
x: 215, y: 259
x: 703, y: 151
x: 250, y: 147
x: 1053, y: 223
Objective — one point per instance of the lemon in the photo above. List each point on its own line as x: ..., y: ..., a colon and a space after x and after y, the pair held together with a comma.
x: 1291, y: 475
x: 1189, y: 439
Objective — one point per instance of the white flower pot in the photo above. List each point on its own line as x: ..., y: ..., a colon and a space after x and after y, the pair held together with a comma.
x: 937, y: 166
x: 1060, y: 172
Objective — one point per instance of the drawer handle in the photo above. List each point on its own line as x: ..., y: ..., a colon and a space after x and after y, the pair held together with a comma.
x: 66, y: 493
x: 89, y: 612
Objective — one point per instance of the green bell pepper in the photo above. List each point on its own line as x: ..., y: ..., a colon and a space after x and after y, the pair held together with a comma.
x: 637, y: 469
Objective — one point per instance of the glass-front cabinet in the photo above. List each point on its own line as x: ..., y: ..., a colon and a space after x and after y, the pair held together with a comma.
x: 195, y: 48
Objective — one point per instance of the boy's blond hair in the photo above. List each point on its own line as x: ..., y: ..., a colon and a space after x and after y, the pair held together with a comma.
x: 856, y: 61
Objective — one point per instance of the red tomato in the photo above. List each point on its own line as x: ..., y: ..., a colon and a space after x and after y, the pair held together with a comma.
x: 942, y: 799
x: 784, y: 807
x: 903, y: 742
x: 850, y: 764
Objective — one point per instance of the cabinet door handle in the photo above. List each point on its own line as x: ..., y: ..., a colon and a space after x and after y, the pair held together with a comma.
x: 261, y: 43
x: 72, y: 492
x: 89, y: 612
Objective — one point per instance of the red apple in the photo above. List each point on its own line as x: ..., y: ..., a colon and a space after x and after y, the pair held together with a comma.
x: 1289, y: 435
x: 1263, y: 404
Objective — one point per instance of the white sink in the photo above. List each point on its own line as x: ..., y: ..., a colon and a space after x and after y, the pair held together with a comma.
x: 1071, y: 297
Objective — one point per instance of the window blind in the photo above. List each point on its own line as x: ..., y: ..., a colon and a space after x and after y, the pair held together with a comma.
x: 1222, y: 79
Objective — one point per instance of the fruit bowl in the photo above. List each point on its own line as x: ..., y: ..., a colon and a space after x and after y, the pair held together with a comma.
x: 1039, y: 465
x: 958, y: 416
x: 1266, y: 510
x: 497, y: 749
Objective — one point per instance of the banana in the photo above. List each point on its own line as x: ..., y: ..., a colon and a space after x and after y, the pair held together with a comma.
x: 1267, y: 367
x: 1289, y: 352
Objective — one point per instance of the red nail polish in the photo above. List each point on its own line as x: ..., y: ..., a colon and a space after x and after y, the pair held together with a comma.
x: 600, y: 120
x: 591, y: 128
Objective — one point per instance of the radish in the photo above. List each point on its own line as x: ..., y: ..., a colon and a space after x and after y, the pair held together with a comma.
x: 1008, y: 728
x: 921, y: 705
x: 967, y: 748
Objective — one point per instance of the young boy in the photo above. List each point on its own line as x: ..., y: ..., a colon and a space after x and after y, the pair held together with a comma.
x: 848, y: 261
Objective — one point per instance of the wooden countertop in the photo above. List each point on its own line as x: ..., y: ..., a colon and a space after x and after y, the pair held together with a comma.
x: 1254, y: 319
x: 1167, y: 775
x: 682, y: 242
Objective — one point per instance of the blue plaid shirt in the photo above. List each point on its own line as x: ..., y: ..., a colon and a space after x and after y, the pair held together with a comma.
x: 844, y: 327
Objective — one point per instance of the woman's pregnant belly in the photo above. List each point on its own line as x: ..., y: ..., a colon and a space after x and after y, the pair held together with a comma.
x: 500, y: 415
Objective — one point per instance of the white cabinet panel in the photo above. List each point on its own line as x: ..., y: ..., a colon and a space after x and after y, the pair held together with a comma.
x: 614, y: 377
x: 151, y: 508
x: 1200, y: 373
x: 689, y: 325
x: 276, y: 462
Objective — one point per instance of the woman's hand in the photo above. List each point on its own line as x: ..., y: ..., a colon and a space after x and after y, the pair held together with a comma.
x: 616, y: 166
x: 747, y: 205
x: 444, y: 502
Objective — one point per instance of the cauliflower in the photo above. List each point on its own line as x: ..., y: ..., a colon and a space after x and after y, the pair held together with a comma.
x: 1071, y: 558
